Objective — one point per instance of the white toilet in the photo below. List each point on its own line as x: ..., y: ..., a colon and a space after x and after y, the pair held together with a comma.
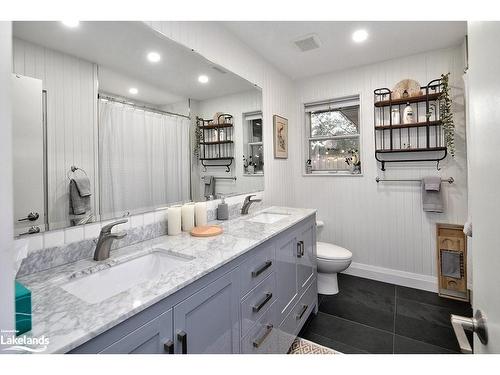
x: 332, y: 259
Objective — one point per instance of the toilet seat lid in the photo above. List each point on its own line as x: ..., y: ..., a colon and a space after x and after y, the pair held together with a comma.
x: 330, y: 251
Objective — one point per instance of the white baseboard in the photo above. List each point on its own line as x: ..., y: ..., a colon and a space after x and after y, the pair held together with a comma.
x: 411, y: 280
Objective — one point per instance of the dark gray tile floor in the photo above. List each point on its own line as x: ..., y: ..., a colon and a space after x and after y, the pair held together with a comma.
x: 369, y: 316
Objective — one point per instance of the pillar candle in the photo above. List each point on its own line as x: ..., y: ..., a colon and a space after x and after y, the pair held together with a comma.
x: 201, y: 213
x: 174, y: 220
x: 188, y: 217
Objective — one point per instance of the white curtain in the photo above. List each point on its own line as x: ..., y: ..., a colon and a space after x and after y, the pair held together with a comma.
x: 144, y: 159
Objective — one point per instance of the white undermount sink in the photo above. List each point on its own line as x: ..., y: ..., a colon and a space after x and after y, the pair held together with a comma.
x: 101, y: 285
x: 268, y: 217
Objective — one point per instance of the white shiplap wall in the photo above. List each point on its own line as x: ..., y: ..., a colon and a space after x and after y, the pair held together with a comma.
x: 391, y: 237
x: 236, y: 105
x: 218, y: 45
x: 383, y: 224
x: 71, y: 85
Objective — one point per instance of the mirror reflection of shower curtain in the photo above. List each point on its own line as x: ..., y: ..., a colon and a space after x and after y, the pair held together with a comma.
x: 144, y: 159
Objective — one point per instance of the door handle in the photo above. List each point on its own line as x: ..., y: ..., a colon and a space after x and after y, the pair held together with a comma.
x: 182, y: 337
x: 477, y: 324
x: 32, y: 230
x: 300, y: 249
x: 32, y: 216
x: 169, y: 347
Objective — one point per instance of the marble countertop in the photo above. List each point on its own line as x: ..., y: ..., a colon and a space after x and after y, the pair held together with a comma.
x: 68, y: 321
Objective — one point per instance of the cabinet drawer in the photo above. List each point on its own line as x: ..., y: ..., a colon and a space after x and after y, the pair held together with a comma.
x: 294, y: 321
x: 263, y: 336
x: 257, y: 267
x: 256, y: 302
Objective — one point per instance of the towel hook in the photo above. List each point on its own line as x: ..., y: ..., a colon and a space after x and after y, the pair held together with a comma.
x: 437, y: 165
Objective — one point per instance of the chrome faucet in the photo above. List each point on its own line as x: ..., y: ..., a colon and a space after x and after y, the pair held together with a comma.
x: 106, y: 239
x: 247, y: 203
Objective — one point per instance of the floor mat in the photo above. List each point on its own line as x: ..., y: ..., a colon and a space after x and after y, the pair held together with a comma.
x: 302, y: 346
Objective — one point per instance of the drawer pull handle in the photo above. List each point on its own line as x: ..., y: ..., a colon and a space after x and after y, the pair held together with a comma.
x: 262, y: 268
x: 262, y: 303
x: 300, y: 249
x: 182, y: 337
x: 302, y: 312
x: 169, y: 347
x: 257, y: 343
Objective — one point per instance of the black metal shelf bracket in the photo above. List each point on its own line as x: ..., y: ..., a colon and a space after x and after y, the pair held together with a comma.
x: 227, y: 164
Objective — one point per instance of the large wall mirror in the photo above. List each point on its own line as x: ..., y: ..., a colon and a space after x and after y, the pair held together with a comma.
x: 112, y: 119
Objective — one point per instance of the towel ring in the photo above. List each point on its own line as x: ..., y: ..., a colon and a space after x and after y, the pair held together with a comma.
x: 73, y: 170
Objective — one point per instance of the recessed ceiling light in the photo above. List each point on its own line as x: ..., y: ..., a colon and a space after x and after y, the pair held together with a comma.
x: 203, y: 79
x: 133, y: 90
x: 359, y: 36
x: 154, y: 57
x: 71, y: 23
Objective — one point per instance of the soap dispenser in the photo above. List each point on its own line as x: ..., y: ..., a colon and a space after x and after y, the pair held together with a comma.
x: 222, y: 210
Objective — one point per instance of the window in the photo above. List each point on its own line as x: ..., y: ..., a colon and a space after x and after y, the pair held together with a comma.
x: 253, y: 158
x: 333, y: 140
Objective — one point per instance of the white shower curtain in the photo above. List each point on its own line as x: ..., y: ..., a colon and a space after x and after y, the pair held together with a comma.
x: 144, y: 159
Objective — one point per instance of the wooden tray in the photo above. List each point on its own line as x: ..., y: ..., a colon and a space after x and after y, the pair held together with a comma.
x: 206, y: 231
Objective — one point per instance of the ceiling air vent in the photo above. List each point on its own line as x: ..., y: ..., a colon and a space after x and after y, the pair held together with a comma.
x: 220, y: 70
x: 307, y: 42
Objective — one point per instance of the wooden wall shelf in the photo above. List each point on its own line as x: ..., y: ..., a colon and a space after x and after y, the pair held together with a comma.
x: 414, y: 125
x: 389, y: 138
x: 216, y: 141
x: 412, y: 99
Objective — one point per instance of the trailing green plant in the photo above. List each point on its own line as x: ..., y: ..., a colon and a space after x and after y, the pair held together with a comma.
x: 197, y: 139
x: 447, y: 114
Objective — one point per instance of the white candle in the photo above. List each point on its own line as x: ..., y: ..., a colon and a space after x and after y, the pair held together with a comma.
x: 188, y: 217
x: 174, y: 220
x: 201, y: 213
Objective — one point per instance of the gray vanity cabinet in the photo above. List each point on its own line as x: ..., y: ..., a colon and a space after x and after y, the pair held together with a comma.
x: 255, y: 304
x: 208, y: 321
x: 154, y: 337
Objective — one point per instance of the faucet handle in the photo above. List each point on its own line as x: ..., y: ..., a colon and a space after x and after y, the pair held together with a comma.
x: 107, y: 228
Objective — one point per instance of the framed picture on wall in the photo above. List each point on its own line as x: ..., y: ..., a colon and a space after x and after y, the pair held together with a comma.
x: 280, y: 137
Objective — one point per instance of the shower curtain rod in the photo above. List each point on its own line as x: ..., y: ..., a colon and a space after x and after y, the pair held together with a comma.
x: 143, y: 107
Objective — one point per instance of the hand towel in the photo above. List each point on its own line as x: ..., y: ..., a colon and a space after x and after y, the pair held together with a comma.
x: 83, y: 186
x: 79, y: 204
x: 432, y: 200
x: 432, y: 183
x: 209, y: 186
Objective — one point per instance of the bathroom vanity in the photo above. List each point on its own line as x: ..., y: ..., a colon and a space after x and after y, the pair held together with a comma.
x: 249, y: 290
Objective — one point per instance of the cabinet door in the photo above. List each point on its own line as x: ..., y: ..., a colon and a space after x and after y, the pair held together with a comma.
x: 208, y: 322
x: 154, y: 337
x: 286, y: 272
x: 306, y: 256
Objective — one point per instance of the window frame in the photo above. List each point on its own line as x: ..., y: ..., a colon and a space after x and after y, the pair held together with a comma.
x: 247, y: 146
x: 330, y: 104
